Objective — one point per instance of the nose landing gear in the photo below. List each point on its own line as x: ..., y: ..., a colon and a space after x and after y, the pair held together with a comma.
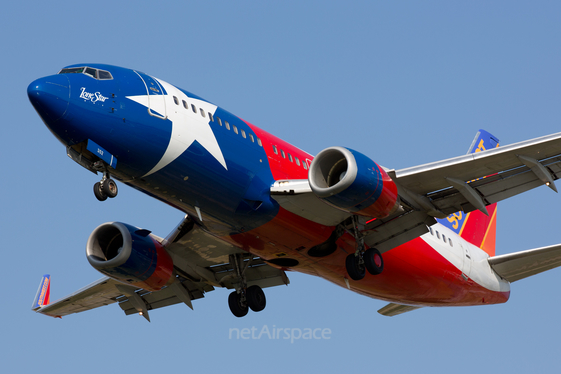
x: 105, y: 188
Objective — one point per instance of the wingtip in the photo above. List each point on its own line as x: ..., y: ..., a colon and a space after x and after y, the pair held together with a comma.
x: 43, y: 295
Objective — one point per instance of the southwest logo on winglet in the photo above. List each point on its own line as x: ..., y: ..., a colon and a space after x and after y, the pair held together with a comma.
x: 43, y: 293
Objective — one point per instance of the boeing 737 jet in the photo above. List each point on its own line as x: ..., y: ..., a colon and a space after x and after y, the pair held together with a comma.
x: 256, y: 207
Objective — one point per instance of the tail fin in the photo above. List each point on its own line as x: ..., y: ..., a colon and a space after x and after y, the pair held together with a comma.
x: 43, y: 293
x: 476, y: 227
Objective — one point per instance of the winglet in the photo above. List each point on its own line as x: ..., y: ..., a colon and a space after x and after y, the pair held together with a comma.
x: 483, y: 140
x: 42, y: 298
x: 477, y: 227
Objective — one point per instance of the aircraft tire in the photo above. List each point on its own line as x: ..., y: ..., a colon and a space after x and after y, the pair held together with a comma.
x: 256, y: 298
x: 110, y: 188
x: 373, y: 261
x: 355, y: 270
x: 98, y: 192
x: 235, y: 307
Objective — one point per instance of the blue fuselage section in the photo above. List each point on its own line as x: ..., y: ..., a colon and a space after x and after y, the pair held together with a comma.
x: 222, y: 176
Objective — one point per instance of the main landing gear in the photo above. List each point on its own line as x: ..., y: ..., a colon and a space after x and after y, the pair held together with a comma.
x: 244, y: 298
x: 358, y: 263
x: 241, y: 301
x: 363, y: 259
x: 105, y: 188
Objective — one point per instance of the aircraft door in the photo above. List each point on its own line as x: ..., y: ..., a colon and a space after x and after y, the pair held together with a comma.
x: 466, y: 255
x: 156, y: 96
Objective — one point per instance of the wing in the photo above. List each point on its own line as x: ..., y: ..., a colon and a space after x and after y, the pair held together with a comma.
x: 438, y: 189
x: 99, y: 293
x: 475, y: 180
x: 201, y: 261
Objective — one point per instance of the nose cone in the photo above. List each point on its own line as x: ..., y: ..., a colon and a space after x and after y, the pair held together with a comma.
x: 50, y: 96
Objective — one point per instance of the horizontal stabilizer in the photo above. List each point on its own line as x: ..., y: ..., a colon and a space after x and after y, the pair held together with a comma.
x: 392, y: 309
x: 519, y: 265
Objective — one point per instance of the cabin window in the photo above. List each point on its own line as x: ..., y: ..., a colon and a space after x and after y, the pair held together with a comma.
x: 243, y: 133
x: 210, y: 116
x: 437, y: 234
x: 444, y: 238
x: 450, y: 241
x: 227, y: 125
x: 259, y: 142
x: 251, y: 137
x: 235, y: 129
x: 176, y: 100
x: 219, y: 120
x: 430, y: 229
x: 185, y: 105
x: 305, y: 165
x: 194, y: 108
x: 297, y: 161
x: 290, y: 157
x: 203, y: 112
x: 282, y: 153
x: 275, y: 149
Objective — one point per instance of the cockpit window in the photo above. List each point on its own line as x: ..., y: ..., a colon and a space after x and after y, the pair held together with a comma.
x: 94, y: 73
x: 71, y: 71
x: 102, y: 74
x: 91, y: 72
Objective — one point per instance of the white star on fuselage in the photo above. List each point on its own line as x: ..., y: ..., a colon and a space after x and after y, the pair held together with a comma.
x: 186, y: 126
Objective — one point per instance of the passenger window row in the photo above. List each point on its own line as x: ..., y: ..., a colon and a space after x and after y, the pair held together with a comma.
x: 449, y: 241
x: 217, y: 119
x: 290, y: 158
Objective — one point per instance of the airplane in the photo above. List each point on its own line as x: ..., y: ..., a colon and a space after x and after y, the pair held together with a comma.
x: 257, y: 207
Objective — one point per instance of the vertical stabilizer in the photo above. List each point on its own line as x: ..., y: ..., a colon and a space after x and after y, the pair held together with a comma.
x: 476, y: 227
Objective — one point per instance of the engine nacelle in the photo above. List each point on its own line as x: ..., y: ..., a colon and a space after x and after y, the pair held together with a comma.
x: 130, y: 255
x: 351, y: 182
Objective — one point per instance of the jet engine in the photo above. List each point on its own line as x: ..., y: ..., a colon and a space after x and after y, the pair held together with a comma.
x: 130, y: 255
x: 351, y: 182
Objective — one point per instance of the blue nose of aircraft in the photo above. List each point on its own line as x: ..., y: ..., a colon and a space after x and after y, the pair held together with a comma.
x: 50, y: 96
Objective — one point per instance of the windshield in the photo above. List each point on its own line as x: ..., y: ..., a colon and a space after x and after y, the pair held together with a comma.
x: 94, y: 73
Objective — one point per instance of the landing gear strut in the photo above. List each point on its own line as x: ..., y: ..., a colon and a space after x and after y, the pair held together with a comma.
x: 105, y: 188
x: 244, y: 298
x: 363, y: 259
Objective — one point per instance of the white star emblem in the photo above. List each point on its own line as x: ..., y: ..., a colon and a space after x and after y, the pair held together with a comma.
x: 186, y: 127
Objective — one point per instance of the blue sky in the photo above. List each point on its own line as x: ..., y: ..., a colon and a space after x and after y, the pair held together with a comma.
x: 404, y: 82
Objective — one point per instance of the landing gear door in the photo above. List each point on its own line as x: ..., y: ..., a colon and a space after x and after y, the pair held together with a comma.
x: 156, y: 96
